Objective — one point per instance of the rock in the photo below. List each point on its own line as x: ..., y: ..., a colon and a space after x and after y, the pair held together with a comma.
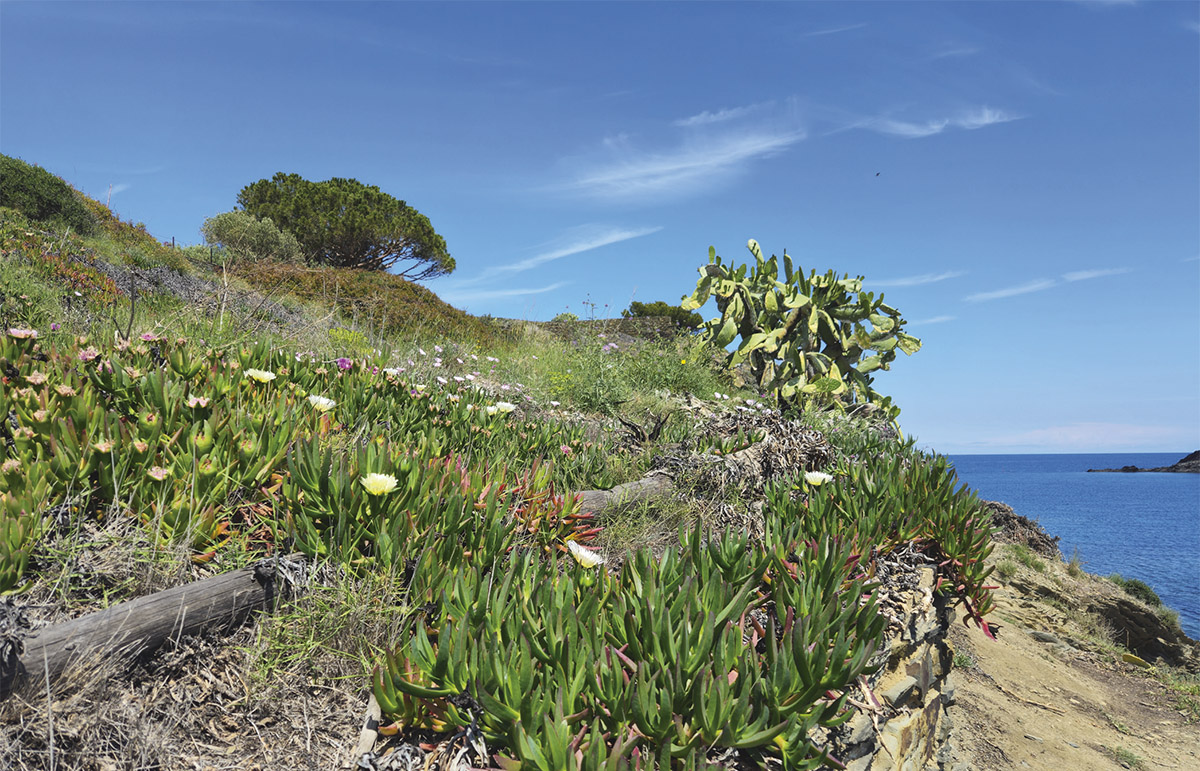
x: 1140, y: 629
x: 1045, y: 637
x: 1013, y: 528
x: 899, y: 694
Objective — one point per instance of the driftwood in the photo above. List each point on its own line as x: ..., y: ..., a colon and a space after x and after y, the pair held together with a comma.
x: 595, y: 501
x: 138, y: 626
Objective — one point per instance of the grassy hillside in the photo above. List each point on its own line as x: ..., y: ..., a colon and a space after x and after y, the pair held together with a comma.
x: 170, y: 415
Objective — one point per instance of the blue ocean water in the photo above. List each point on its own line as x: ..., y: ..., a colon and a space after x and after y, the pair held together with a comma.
x: 1144, y: 526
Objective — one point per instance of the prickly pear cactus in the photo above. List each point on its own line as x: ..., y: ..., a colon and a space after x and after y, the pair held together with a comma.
x: 810, y: 340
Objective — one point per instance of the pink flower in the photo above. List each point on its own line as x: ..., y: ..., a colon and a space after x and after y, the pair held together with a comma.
x: 566, y: 450
x: 23, y: 334
x: 344, y: 363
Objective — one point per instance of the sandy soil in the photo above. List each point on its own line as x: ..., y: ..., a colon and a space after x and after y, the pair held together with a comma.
x: 1060, y: 703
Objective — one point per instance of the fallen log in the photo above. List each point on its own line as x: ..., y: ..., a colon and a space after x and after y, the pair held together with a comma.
x: 135, y: 627
x: 595, y: 501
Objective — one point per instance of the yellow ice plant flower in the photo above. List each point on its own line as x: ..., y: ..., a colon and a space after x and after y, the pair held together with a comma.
x: 379, y: 484
x: 585, y: 557
x: 817, y: 478
x: 321, y: 403
x: 261, y: 375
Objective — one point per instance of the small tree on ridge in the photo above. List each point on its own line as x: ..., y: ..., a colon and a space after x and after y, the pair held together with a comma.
x: 344, y: 223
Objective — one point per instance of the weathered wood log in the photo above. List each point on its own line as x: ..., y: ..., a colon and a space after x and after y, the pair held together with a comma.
x: 135, y: 627
x: 595, y: 501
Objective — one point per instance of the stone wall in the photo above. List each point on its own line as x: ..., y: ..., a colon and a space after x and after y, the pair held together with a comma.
x: 908, y: 729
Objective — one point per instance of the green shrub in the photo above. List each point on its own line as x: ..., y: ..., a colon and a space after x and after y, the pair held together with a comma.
x: 565, y: 316
x: 381, y: 301
x: 681, y: 317
x: 247, y: 237
x: 43, y: 197
x: 1136, y: 588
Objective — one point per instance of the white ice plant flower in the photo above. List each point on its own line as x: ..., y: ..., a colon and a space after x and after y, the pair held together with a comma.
x: 585, y: 557
x: 817, y: 478
x: 261, y: 375
x: 505, y: 407
x: 378, y: 484
x: 321, y: 403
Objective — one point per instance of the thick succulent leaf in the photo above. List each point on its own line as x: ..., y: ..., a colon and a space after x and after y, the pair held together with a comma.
x: 795, y: 299
x: 909, y: 344
x: 727, y: 333
x: 869, y: 364
x: 882, y: 323
x: 823, y: 385
x: 885, y: 344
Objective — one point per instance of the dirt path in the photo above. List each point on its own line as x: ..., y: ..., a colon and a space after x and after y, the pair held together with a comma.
x: 1065, y: 701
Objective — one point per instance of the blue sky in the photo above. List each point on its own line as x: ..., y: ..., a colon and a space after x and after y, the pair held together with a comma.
x: 1021, y: 179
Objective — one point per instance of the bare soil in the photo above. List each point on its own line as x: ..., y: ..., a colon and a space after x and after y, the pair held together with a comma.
x: 1067, y: 700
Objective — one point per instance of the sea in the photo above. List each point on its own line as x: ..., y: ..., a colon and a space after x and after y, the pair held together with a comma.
x: 1144, y: 525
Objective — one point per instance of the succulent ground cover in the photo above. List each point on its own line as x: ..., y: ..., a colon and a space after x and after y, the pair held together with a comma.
x: 432, y: 482
x: 506, y: 622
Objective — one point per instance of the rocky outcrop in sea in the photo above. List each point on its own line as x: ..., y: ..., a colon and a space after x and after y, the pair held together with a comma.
x: 1187, y: 465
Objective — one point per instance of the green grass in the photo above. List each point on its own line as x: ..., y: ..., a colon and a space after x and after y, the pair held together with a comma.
x: 1024, y: 555
x: 1127, y: 758
x: 963, y: 660
x: 1075, y: 565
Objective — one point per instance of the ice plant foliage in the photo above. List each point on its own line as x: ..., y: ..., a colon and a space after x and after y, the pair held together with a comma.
x: 723, y: 643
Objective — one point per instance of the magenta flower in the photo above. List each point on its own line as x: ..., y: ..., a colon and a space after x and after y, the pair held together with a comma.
x: 344, y: 363
x: 55, y: 327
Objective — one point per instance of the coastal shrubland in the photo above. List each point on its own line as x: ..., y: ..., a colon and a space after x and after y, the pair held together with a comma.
x: 428, y: 467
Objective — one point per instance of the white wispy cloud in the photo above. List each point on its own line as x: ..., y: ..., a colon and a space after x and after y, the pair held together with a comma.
x: 1036, y: 285
x: 981, y: 117
x: 956, y: 51
x: 1084, y: 275
x: 1194, y: 26
x: 457, y: 297
x: 582, y: 239
x: 924, y: 278
x: 933, y: 320
x: 834, y: 30
x: 697, y: 163
x: 906, y: 129
x: 720, y: 116
x: 121, y: 188
x: 968, y: 120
